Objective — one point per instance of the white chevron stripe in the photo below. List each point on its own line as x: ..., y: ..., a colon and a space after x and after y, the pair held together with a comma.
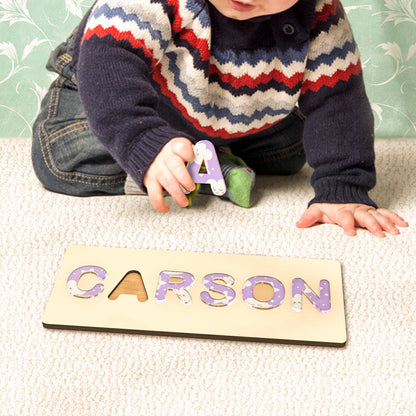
x: 325, y: 42
x: 237, y: 128
x: 338, y: 64
x: 259, y: 68
x: 147, y: 10
x: 189, y: 21
x: 154, y: 13
x: 132, y: 27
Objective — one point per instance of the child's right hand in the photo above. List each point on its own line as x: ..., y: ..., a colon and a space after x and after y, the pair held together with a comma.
x: 168, y: 171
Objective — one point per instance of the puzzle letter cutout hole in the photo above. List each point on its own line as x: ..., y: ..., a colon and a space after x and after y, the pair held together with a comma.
x: 222, y: 296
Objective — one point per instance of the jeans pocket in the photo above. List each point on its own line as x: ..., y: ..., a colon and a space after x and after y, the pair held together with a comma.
x: 66, y: 155
x: 74, y: 149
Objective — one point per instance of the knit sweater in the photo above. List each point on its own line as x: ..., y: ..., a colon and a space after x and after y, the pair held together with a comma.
x: 152, y: 70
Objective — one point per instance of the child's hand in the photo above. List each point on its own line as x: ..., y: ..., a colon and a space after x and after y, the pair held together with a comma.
x: 348, y: 216
x: 168, y: 171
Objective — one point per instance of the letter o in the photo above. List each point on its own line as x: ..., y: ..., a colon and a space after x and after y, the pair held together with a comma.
x: 274, y: 302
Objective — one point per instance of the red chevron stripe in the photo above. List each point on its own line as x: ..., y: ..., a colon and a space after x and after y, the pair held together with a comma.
x: 331, y: 81
x: 119, y: 36
x: 198, y: 43
x: 249, y: 81
x: 188, y: 34
x: 326, y: 12
x: 177, y: 23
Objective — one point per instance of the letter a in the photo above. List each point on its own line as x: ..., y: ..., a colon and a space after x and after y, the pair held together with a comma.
x: 205, y: 154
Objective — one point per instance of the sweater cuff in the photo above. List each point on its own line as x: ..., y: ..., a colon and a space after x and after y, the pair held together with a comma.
x: 142, y: 152
x: 328, y: 191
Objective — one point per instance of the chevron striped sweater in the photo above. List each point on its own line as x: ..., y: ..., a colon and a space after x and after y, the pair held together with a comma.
x: 152, y: 70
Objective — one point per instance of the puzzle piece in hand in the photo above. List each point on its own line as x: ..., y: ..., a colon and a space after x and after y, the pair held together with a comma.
x: 205, y: 155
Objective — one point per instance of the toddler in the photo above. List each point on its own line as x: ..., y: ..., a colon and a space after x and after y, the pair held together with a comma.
x: 271, y: 83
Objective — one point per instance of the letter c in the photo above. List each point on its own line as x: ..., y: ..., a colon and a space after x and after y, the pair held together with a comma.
x: 73, y: 279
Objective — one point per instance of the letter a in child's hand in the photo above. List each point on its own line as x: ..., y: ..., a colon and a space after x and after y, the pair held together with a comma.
x: 205, y: 168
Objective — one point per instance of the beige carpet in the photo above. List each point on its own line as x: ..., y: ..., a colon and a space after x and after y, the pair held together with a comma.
x: 57, y: 372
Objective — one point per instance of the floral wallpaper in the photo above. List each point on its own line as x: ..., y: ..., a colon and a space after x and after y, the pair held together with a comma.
x: 29, y: 29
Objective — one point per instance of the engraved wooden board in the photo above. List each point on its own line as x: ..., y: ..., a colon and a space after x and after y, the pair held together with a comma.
x: 224, y: 296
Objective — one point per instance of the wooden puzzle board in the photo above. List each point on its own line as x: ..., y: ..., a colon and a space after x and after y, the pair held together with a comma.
x: 242, y: 297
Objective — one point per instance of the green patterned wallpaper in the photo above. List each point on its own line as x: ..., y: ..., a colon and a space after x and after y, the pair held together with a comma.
x: 384, y: 29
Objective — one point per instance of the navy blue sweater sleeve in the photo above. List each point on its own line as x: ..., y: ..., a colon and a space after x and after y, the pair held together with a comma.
x: 343, y: 165
x: 121, y: 104
x: 339, y: 126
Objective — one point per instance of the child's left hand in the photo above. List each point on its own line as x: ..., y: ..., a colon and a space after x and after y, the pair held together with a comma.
x: 348, y: 216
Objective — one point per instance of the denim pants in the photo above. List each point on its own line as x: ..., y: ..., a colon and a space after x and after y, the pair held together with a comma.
x: 67, y: 157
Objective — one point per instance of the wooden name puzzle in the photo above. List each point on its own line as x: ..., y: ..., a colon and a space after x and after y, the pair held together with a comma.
x: 254, y: 298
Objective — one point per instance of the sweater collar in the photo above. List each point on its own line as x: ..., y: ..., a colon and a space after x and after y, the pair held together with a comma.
x: 287, y: 29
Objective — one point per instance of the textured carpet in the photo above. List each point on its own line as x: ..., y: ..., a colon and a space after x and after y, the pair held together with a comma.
x: 57, y: 372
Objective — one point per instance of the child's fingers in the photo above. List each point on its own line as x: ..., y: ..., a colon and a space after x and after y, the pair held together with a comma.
x: 348, y: 216
x: 393, y: 217
x: 311, y: 216
x: 369, y: 219
x: 385, y: 222
x: 346, y: 220
x: 171, y: 185
x: 155, y: 193
x: 178, y: 170
x: 168, y: 172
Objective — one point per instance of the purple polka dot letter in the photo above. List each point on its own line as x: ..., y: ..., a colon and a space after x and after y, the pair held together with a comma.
x: 205, y: 167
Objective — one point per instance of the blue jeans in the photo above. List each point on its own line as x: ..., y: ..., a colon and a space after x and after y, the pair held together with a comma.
x: 67, y: 157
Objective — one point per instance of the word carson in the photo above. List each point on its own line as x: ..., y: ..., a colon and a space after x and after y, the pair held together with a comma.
x: 217, y: 284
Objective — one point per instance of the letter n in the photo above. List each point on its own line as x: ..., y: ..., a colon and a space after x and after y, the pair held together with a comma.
x: 322, y: 303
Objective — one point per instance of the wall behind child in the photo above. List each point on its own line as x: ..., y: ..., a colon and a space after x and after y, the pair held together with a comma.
x: 29, y: 29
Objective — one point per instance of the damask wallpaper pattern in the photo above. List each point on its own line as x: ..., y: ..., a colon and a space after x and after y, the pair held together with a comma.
x: 384, y: 29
